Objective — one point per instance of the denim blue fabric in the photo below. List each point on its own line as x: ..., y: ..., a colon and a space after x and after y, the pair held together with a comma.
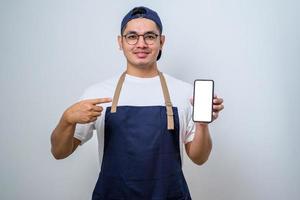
x: 141, y: 159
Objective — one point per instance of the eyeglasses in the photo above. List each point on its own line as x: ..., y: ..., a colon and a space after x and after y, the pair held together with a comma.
x: 133, y: 38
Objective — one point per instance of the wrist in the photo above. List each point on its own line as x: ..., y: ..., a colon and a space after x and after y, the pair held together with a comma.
x: 201, y: 125
x: 65, y: 120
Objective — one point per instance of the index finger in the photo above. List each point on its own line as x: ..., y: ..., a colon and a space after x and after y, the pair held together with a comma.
x: 100, y: 100
x: 218, y: 100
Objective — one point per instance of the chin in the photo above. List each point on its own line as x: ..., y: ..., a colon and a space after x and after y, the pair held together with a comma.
x: 142, y: 63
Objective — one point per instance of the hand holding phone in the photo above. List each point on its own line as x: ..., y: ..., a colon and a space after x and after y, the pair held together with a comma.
x: 203, y: 100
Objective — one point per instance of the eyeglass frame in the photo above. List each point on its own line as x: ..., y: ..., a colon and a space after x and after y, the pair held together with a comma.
x: 134, y: 33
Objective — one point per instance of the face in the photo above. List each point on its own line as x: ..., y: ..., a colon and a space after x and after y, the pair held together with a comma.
x: 142, y: 53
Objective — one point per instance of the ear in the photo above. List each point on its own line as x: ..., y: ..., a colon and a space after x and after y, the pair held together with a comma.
x: 162, y: 41
x: 120, y: 42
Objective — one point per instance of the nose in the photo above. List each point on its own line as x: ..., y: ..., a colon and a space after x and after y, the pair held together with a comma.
x: 141, y: 42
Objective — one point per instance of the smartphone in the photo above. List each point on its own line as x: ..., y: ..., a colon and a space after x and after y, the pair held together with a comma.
x: 203, y: 100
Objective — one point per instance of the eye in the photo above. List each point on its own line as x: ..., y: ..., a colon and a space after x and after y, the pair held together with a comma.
x: 150, y: 36
x: 131, y: 36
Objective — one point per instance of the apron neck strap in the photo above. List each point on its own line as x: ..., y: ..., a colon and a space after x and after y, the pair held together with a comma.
x: 168, y: 103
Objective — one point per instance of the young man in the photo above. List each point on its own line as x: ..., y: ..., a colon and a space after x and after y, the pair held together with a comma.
x: 142, y: 128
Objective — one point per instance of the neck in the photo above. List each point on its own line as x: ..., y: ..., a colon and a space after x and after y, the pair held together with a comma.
x: 142, y: 71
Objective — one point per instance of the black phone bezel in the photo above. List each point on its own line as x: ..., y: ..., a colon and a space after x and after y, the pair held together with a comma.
x: 213, y: 88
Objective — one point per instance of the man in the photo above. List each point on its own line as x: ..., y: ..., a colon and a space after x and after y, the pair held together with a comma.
x: 142, y: 128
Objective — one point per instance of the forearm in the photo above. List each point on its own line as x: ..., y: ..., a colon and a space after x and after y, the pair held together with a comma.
x: 201, y: 145
x: 62, y: 139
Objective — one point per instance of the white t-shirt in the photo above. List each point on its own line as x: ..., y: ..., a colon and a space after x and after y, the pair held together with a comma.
x: 140, y: 92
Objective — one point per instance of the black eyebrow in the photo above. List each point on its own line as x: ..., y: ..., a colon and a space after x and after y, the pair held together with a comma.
x: 134, y: 32
x: 131, y: 32
x: 153, y: 32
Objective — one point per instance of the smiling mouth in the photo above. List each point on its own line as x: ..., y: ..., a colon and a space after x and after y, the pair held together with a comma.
x: 141, y: 54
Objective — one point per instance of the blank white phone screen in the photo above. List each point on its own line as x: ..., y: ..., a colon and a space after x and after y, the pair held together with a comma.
x: 203, y: 97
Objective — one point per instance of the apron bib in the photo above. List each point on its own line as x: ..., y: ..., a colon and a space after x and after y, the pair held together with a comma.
x: 141, y: 158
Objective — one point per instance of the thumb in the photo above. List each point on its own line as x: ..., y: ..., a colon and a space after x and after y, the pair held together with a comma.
x: 192, y: 100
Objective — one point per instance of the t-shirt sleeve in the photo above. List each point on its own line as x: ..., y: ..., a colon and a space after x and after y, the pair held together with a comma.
x: 84, y: 132
x: 189, y: 123
x: 190, y: 129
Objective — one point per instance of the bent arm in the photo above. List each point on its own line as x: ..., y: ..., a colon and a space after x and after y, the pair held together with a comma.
x: 63, y: 142
x: 199, y: 149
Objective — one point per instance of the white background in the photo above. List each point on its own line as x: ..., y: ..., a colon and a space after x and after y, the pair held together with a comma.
x: 51, y: 50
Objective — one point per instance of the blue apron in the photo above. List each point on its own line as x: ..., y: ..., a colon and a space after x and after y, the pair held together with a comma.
x: 141, y: 158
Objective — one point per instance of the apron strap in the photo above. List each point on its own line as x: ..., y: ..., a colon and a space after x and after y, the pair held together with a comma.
x: 170, y: 114
x: 117, y: 93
